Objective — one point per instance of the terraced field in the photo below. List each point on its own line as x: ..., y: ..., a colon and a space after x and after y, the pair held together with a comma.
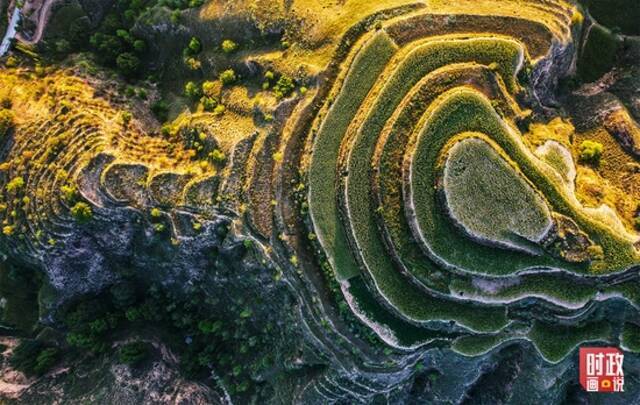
x: 422, y: 189
x: 78, y: 164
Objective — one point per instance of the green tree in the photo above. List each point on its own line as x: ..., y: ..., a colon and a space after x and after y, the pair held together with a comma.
x: 62, y: 46
x: 208, y: 103
x: 139, y: 45
x: 128, y: 63
x: 194, y: 46
x: 17, y: 183
x: 228, y: 77
x: 45, y: 360
x: 160, y: 109
x: 284, y: 86
x: 217, y: 156
x: 81, y: 212
x: 228, y: 46
x: 33, y: 357
x: 591, y: 151
x: 133, y: 353
x: 209, y: 88
x: 107, y: 47
x: 192, y: 90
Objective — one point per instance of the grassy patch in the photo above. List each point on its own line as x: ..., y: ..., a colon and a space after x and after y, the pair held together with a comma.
x: 555, y: 342
x: 631, y: 337
x: 552, y: 286
x: 475, y: 345
x: 559, y: 158
x: 405, y: 333
x: 490, y: 200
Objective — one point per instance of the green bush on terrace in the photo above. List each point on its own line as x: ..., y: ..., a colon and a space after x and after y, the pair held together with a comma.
x: 490, y: 200
x: 33, y: 357
x: 16, y: 184
x: 475, y: 345
x: 591, y: 151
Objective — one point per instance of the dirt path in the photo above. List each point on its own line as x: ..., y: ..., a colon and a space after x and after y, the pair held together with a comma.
x: 43, y: 13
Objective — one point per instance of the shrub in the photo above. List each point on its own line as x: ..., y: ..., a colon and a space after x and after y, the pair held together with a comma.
x: 208, y: 103
x: 210, y: 88
x: 591, y: 151
x: 284, y: 86
x: 62, y: 46
x: 208, y: 327
x: 219, y: 110
x: 69, y: 193
x: 6, y: 121
x: 128, y: 63
x: 175, y: 16
x: 33, y: 358
x: 107, y: 47
x: 16, y: 184
x: 192, y: 90
x: 228, y: 46
x: 193, y: 63
x: 194, y: 46
x: 45, y: 360
x: 133, y: 353
x: 123, y: 295
x: 81, y: 212
x: 161, y: 110
x: 126, y: 117
x: 228, y: 77
x: 217, y: 156
x: 139, y: 45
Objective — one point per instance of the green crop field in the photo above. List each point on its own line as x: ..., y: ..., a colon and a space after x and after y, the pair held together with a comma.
x: 490, y: 200
x: 322, y: 173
